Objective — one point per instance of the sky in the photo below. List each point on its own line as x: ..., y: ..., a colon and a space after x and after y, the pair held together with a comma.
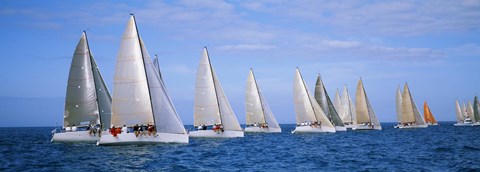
x: 433, y: 45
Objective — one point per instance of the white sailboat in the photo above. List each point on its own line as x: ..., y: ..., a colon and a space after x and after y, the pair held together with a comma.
x: 140, y: 98
x: 309, y: 115
x: 87, y: 101
x: 410, y: 116
x: 327, y: 106
x: 366, y: 118
x: 347, y: 110
x: 213, y: 116
x: 337, y: 101
x: 462, y: 118
x: 258, y: 114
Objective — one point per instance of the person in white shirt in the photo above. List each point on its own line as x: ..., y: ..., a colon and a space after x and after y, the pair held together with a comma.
x: 124, y: 129
x: 74, y: 128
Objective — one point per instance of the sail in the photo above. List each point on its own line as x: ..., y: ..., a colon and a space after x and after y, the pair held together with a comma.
x: 459, y: 113
x: 464, y: 110
x: 81, y: 106
x: 364, y: 110
x: 347, y: 109
x: 269, y: 118
x: 229, y: 120
x: 104, y: 99
x: 428, y: 114
x: 470, y: 111
x: 407, y: 106
x: 398, y: 102
x: 206, y: 111
x: 476, y: 114
x: 306, y: 107
x: 165, y: 114
x: 325, y: 103
x: 416, y: 113
x: 253, y: 104
x: 131, y: 102
x: 336, y: 103
x: 157, y: 66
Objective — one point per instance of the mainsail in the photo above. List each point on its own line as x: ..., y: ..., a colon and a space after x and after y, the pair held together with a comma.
x: 364, y: 110
x: 325, y: 103
x: 87, y: 99
x: 398, y: 102
x: 470, y: 111
x: 346, y: 108
x: 211, y: 104
x: 140, y: 95
x: 256, y: 108
x: 459, y: 113
x: 410, y: 112
x: 306, y: 107
x: 336, y: 103
x: 428, y: 114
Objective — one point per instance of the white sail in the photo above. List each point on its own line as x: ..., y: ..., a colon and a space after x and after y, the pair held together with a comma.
x: 306, y: 107
x: 165, y: 114
x: 104, y: 99
x: 211, y: 104
x: 253, y: 105
x: 272, y: 122
x: 410, y: 112
x: 131, y: 98
x: 207, y: 110
x: 464, y: 110
x: 364, y: 110
x: 81, y: 107
x: 470, y: 111
x: 398, y: 102
x: 459, y: 114
x: 347, y: 109
x: 336, y: 103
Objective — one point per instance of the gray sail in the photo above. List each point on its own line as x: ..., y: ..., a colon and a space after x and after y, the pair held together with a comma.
x: 476, y: 114
x: 322, y: 98
x: 81, y: 106
x: 104, y: 99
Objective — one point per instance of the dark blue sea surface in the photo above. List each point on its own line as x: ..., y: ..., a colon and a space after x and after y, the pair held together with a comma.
x: 436, y: 148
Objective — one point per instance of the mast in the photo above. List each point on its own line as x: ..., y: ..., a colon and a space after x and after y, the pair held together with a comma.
x: 309, y: 99
x: 144, y: 68
x: 214, y: 87
x: 258, y: 91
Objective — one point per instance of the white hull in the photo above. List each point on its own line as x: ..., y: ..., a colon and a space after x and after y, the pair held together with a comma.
x: 131, y: 139
x: 340, y: 128
x: 73, y: 137
x: 367, y: 127
x: 262, y: 130
x: 310, y: 129
x: 410, y: 126
x: 351, y: 126
x: 432, y: 124
x: 466, y: 124
x: 213, y: 134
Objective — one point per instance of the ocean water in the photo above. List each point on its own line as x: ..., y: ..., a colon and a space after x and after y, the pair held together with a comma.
x: 436, y: 148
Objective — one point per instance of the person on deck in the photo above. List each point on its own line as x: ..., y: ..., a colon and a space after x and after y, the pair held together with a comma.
x: 135, y: 130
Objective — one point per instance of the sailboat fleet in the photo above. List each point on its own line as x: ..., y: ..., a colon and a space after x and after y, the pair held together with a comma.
x: 142, y: 112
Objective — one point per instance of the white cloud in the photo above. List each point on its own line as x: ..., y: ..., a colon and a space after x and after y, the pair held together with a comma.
x: 240, y: 47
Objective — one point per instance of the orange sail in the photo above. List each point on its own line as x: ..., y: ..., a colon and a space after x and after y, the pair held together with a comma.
x: 429, y: 119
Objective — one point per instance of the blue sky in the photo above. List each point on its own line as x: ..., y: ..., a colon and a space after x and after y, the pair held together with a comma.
x: 432, y: 45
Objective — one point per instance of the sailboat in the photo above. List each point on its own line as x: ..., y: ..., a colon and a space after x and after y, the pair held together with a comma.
x: 326, y: 104
x: 347, y: 110
x: 213, y: 115
x: 140, y: 98
x: 309, y: 115
x: 462, y: 118
x: 258, y: 114
x: 410, y: 116
x: 475, y: 111
x: 87, y: 101
x: 337, y: 101
x: 366, y: 118
x: 398, y: 105
x: 429, y: 119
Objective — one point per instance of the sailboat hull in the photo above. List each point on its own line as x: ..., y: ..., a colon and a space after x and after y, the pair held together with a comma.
x: 351, y: 126
x: 74, y: 137
x: 340, y: 128
x: 466, y: 124
x: 310, y: 129
x: 213, y: 134
x: 130, y: 139
x: 367, y: 127
x: 262, y: 130
x: 410, y: 126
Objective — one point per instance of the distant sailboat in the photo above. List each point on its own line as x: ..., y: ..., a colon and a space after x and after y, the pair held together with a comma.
x: 140, y: 98
x: 476, y: 113
x: 398, y: 105
x: 336, y: 102
x: 410, y: 116
x: 258, y: 114
x: 309, y: 115
x: 213, y: 115
x: 347, y: 110
x: 366, y: 118
x: 429, y: 119
x: 87, y: 102
x: 326, y: 104
x: 462, y: 118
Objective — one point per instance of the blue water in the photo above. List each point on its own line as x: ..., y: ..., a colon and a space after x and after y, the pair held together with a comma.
x: 437, y: 148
